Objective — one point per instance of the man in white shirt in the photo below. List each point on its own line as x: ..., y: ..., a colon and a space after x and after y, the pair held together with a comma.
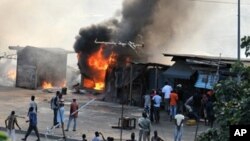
x: 179, y: 119
x: 166, y: 90
x: 96, y: 138
x: 157, y: 104
x: 33, y: 104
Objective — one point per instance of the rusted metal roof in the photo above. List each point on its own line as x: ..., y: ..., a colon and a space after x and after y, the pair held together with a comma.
x: 228, y: 60
x: 54, y: 50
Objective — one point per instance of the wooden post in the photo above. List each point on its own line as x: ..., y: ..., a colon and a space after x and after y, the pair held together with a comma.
x: 131, y: 83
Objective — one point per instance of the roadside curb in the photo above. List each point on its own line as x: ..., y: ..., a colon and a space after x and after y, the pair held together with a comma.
x: 53, y: 137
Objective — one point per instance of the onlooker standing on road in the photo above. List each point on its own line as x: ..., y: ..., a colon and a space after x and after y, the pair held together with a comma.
x: 151, y: 115
x: 173, y: 104
x: 180, y: 103
x: 144, y: 127
x: 157, y: 104
x: 11, y: 119
x: 166, y: 90
x: 32, y: 124
x: 132, y: 137
x: 73, y: 114
x: 84, y: 137
x: 156, y: 137
x: 54, y: 104
x: 33, y: 104
x: 179, y: 119
x: 60, y: 112
x: 96, y: 138
x: 197, y: 105
x: 210, y: 112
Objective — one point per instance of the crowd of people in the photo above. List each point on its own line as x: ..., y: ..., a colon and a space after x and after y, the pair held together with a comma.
x: 198, y: 105
x: 171, y: 100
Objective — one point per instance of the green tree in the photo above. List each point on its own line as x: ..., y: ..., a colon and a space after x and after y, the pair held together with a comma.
x: 245, y: 43
x: 232, y: 103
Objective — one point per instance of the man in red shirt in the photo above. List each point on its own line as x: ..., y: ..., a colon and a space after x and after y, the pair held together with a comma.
x: 173, y: 104
x: 73, y: 114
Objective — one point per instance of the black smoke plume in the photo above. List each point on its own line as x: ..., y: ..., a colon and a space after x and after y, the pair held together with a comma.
x: 153, y: 22
x: 136, y: 15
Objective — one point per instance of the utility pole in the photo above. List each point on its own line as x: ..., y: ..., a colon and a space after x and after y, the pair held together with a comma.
x: 238, y: 30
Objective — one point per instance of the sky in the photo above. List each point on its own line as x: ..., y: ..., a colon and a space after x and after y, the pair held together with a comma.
x: 212, y: 27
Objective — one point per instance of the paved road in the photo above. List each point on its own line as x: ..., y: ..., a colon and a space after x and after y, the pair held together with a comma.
x: 97, y: 116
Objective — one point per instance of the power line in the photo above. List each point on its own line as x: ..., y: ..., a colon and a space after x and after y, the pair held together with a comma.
x: 219, y: 2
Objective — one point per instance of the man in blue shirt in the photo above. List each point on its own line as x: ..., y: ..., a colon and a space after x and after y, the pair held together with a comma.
x: 157, y: 104
x: 32, y: 124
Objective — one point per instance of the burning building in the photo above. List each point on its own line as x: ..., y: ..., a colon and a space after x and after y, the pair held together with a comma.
x: 40, y: 67
x: 129, y: 83
x: 106, y: 57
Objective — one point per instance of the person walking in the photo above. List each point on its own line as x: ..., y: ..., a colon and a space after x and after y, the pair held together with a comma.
x: 10, y: 125
x: 132, y: 137
x: 166, y: 90
x: 96, y: 138
x: 60, y: 111
x: 144, y: 127
x: 179, y: 119
x: 54, y: 104
x: 60, y: 114
x: 84, y: 137
x: 157, y: 104
x: 33, y: 104
x: 156, y: 137
x: 180, y: 103
x: 32, y: 124
x: 197, y: 105
x: 173, y: 104
x: 151, y: 114
x: 73, y: 114
x: 210, y: 112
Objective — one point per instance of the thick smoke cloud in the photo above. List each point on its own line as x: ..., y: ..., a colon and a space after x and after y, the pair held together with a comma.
x: 171, y: 23
x: 85, y: 42
x: 153, y: 22
x: 136, y: 15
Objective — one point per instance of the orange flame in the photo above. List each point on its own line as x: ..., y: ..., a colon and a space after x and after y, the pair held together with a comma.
x: 99, y: 64
x: 63, y: 83
x: 46, y: 85
x: 11, y: 74
x: 97, y: 61
x: 89, y: 83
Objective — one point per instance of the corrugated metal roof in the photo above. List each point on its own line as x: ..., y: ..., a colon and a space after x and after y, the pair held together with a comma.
x: 54, y: 50
x: 179, y: 70
x: 229, y: 60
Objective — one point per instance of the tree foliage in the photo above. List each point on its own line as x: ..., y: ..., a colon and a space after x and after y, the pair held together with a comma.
x: 232, y: 104
x: 245, y: 43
